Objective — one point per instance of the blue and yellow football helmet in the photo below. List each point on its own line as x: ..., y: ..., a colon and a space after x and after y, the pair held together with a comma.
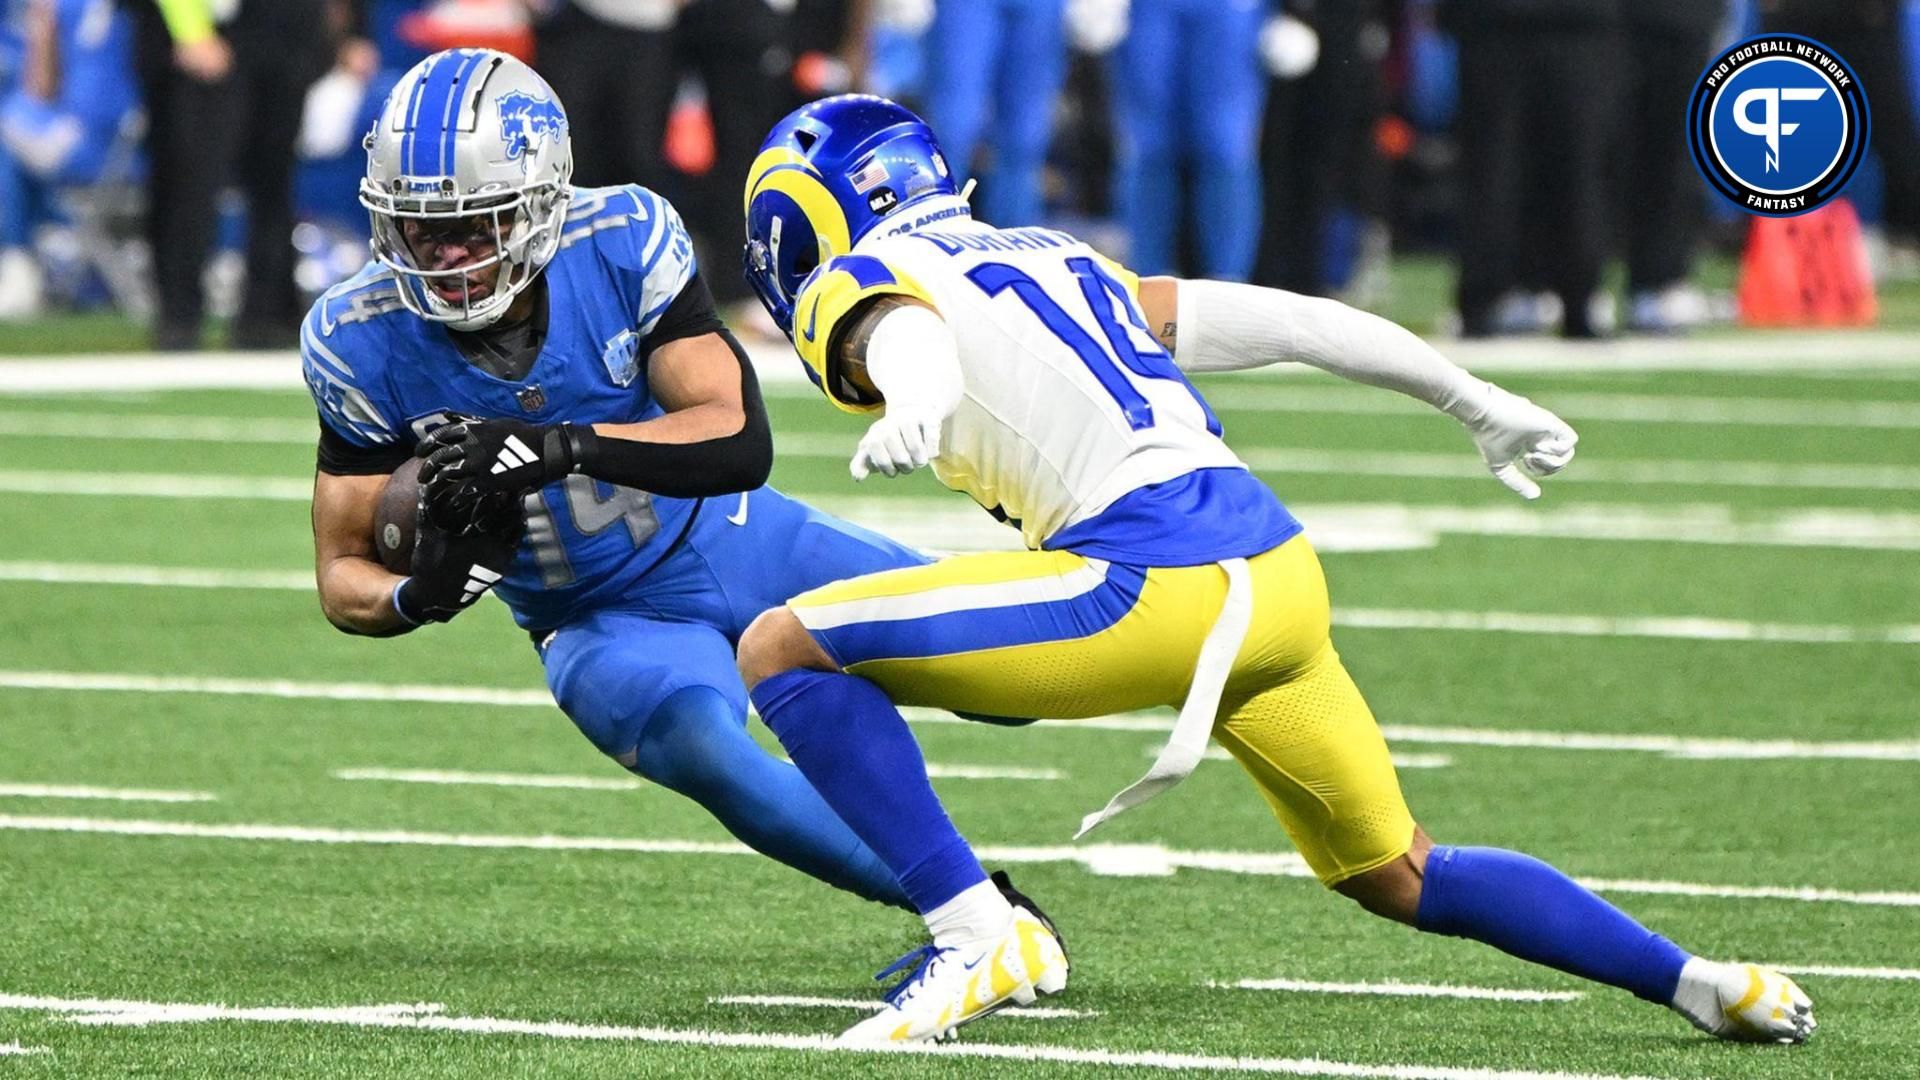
x: 826, y: 176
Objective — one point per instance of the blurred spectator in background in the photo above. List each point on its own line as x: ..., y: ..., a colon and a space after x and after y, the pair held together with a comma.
x: 61, y: 122
x: 994, y: 69
x: 1870, y: 36
x: 1187, y: 86
x: 1324, y: 95
x: 621, y: 64
x: 1538, y: 82
x: 1662, y: 205
x: 225, y: 81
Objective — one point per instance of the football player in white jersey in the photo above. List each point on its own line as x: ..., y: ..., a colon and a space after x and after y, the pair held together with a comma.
x: 1021, y: 365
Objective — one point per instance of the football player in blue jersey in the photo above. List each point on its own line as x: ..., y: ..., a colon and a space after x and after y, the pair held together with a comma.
x: 1019, y: 364
x: 613, y: 492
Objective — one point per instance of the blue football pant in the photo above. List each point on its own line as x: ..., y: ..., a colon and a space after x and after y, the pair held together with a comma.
x: 695, y: 741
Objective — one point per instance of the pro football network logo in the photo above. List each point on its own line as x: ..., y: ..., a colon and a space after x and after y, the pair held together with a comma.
x: 1778, y: 124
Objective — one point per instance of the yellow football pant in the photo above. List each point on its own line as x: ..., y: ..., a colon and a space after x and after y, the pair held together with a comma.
x: 1054, y: 634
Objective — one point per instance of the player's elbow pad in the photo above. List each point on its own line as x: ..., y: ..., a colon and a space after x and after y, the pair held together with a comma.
x: 723, y: 465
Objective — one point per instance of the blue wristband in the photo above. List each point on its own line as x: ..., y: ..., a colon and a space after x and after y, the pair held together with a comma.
x: 397, y: 609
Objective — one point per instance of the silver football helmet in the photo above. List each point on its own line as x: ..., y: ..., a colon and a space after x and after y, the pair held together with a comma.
x: 467, y: 172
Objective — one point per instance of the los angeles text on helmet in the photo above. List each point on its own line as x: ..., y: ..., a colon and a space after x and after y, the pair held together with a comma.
x: 1780, y: 47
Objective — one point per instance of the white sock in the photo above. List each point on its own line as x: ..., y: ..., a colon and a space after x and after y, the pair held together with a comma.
x: 975, y: 917
x: 1697, y: 997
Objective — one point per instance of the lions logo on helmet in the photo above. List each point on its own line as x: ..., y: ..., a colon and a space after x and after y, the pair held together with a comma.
x: 827, y: 177
x: 526, y: 120
x: 470, y: 154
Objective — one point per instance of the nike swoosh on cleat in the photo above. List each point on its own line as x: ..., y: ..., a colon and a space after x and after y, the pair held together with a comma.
x: 813, y: 318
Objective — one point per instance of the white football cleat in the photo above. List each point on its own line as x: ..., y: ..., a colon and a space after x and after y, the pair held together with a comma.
x: 1743, y: 1002
x: 952, y: 987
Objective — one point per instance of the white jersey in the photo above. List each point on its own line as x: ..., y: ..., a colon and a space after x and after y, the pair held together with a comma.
x: 1069, y: 402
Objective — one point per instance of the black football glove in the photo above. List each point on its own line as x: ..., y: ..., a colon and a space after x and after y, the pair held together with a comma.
x: 452, y: 570
x: 477, y: 471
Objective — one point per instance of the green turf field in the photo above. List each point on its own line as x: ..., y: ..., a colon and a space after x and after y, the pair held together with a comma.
x: 1689, y: 674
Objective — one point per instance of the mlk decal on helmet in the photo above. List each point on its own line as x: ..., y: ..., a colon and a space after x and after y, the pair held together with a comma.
x: 475, y: 141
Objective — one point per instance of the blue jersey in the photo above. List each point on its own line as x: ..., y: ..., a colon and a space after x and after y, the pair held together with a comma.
x: 382, y: 376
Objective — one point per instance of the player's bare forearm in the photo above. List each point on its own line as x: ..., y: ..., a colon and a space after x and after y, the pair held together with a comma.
x: 356, y: 592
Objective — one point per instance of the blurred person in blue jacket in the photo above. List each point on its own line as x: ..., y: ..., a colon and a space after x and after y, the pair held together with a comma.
x: 1188, y: 86
x: 60, y: 117
x: 994, y: 68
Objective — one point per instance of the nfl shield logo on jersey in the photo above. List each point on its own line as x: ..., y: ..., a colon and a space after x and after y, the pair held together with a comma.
x: 532, y: 398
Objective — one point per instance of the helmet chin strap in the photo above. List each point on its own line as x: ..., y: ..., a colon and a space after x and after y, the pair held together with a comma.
x: 966, y: 193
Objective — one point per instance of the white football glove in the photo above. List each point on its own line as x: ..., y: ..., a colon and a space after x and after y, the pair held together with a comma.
x: 897, y: 443
x: 1519, y: 440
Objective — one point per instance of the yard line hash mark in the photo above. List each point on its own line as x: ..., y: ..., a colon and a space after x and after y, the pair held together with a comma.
x: 75, y: 791
x: 790, y: 1001
x: 1897, y: 974
x: 432, y: 1017
x: 1394, y: 988
x: 1118, y: 860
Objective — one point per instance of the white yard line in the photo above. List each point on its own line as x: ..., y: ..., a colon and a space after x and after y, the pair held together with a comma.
x: 187, y: 577
x: 429, y: 1017
x: 1675, y: 746
x: 492, y: 779
x: 152, y: 427
x: 617, y: 783
x: 14, y: 1049
x: 1309, y: 462
x: 1394, y: 988
x: 73, y: 791
x: 789, y: 1001
x: 1117, y: 860
x: 1678, y: 627
x: 1897, y: 974
x: 273, y: 688
x: 938, y: 524
x: 952, y: 525
x: 157, y: 485
x: 1671, y: 745
x: 1815, y: 352
x: 1578, y: 406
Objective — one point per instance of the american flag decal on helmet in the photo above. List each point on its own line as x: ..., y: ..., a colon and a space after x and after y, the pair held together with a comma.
x: 870, y: 176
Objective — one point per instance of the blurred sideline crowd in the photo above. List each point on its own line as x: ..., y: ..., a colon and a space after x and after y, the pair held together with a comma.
x: 184, y: 158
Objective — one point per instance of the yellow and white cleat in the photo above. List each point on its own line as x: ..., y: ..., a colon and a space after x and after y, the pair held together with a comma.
x: 1744, y: 1002
x: 951, y: 987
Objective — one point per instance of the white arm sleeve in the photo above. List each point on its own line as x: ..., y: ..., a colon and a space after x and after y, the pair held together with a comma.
x: 1225, y: 326
x: 914, y: 361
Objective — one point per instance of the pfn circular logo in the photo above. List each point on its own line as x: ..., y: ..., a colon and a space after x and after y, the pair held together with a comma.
x: 1778, y: 124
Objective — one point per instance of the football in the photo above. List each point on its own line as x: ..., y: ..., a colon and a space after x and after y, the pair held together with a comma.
x: 394, y: 519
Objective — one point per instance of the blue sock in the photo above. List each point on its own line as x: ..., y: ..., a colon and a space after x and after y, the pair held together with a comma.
x: 854, y: 746
x: 696, y: 743
x: 1522, y: 906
